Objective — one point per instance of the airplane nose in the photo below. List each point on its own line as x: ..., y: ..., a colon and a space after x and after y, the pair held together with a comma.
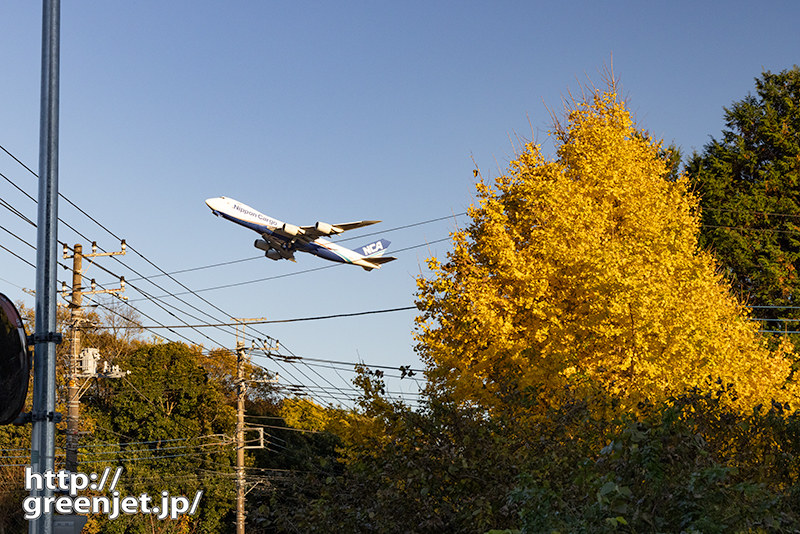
x: 215, y: 203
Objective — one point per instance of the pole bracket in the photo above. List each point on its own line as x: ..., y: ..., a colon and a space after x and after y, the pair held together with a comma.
x: 49, y: 337
x: 31, y: 417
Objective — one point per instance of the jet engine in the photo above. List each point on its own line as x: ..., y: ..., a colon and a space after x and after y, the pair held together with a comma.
x: 291, y: 230
x: 270, y: 252
x: 327, y: 229
x: 263, y: 245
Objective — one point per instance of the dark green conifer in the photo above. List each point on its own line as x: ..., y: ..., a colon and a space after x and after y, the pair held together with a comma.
x: 749, y: 183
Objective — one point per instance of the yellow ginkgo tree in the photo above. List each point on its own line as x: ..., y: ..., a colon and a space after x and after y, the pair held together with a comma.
x: 584, y: 269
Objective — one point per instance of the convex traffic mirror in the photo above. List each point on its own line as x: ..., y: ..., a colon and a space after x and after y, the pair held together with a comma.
x: 15, y: 362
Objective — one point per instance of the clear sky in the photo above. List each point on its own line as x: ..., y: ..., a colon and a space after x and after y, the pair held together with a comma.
x: 331, y: 111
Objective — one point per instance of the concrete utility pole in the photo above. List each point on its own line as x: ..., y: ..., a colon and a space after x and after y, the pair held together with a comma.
x: 240, y: 481
x: 45, y: 338
x: 73, y: 402
x: 76, y: 320
x: 241, y: 392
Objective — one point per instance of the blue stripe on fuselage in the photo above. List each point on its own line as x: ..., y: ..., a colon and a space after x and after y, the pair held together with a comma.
x: 322, y: 252
x: 260, y: 228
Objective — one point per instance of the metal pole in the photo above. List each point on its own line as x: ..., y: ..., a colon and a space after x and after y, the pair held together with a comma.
x: 44, y: 367
x: 73, y: 403
x: 240, y: 512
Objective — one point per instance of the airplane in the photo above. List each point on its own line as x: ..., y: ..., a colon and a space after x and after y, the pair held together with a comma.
x: 280, y: 240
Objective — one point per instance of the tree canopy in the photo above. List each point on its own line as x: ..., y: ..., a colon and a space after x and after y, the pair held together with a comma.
x: 585, y: 269
x: 749, y: 185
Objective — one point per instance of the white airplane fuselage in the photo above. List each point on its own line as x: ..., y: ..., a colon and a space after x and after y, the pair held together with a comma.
x: 281, y: 240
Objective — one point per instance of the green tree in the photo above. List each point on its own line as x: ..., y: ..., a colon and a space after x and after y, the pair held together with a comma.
x: 168, y: 425
x: 689, y: 464
x: 749, y: 186
x: 585, y: 269
x: 444, y: 469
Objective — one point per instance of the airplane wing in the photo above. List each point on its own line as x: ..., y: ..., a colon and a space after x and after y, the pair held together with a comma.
x: 376, y: 262
x: 380, y: 260
x: 322, y: 229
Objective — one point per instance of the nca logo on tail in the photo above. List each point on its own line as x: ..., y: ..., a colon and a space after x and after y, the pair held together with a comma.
x: 372, y: 248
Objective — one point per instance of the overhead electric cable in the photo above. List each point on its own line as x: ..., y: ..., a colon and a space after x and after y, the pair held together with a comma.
x: 129, y: 247
x: 18, y: 256
x: 752, y: 229
x: 19, y: 214
x: 404, y: 226
x: 752, y: 211
x: 12, y: 234
x: 295, y: 273
x: 16, y: 212
x: 299, y: 319
x: 164, y: 273
x: 232, y: 262
x: 301, y: 390
x: 316, y: 384
x: 192, y: 269
x: 313, y: 370
x: 111, y: 310
x: 142, y: 313
x: 354, y: 364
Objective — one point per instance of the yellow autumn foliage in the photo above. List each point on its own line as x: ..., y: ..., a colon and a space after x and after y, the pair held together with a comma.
x: 304, y: 414
x: 584, y: 268
x: 351, y: 427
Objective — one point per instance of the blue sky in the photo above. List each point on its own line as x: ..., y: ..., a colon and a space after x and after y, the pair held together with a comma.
x: 330, y: 111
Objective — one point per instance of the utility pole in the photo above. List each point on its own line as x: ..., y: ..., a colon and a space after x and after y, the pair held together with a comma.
x: 73, y: 402
x: 240, y: 489
x: 76, y: 320
x: 45, y: 338
x: 241, y: 391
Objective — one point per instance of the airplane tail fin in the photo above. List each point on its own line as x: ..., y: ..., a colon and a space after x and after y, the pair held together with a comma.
x: 374, y: 250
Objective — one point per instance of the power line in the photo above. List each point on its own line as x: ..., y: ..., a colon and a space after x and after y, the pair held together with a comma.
x: 299, y: 319
x: 322, y: 392
x: 12, y: 234
x: 164, y: 273
x: 309, y: 379
x: 295, y: 273
x: 192, y: 269
x: 233, y: 262
x: 779, y: 331
x: 353, y: 364
x: 315, y: 372
x: 750, y: 211
x: 405, y: 226
x: 752, y: 229
x: 150, y: 297
x: 115, y: 312
x: 15, y: 211
x: 18, y: 256
x: 162, y: 304
x: 19, y: 214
